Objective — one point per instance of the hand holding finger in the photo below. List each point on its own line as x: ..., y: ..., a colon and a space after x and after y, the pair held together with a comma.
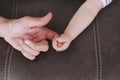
x: 61, y: 43
x: 39, y: 46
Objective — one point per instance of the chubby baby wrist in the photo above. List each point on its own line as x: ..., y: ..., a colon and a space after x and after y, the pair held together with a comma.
x: 68, y: 35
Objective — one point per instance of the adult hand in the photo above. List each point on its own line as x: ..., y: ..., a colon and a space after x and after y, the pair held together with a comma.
x: 23, y: 28
x: 32, y: 46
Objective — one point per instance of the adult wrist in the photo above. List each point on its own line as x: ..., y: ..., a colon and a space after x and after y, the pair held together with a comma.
x: 3, y: 26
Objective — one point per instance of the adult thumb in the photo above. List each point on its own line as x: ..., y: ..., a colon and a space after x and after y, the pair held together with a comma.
x: 37, y: 21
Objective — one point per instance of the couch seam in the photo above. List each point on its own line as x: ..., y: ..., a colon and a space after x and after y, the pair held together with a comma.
x: 14, y: 15
x: 6, y: 62
x: 99, y: 47
x: 16, y: 10
x: 96, y: 55
x: 97, y: 50
x: 10, y: 59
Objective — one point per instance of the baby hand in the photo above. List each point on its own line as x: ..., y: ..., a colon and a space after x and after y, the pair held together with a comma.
x: 62, y: 42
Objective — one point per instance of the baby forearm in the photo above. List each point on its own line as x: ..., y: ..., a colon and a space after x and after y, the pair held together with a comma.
x: 83, y: 17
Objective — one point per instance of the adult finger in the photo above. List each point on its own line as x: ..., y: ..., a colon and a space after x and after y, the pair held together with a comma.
x: 50, y: 34
x: 27, y: 55
x: 44, y: 33
x: 31, y: 33
x: 36, y: 21
x: 28, y: 48
x: 14, y: 43
x: 39, y: 46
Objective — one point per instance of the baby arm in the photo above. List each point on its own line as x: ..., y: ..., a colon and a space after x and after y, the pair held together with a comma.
x: 80, y: 21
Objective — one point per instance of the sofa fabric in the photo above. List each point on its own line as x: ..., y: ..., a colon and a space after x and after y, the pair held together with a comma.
x: 93, y: 55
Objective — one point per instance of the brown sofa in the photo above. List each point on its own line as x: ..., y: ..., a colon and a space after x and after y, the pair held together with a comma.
x: 93, y: 55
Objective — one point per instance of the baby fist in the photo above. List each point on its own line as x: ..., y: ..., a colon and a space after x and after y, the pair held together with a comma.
x: 61, y: 43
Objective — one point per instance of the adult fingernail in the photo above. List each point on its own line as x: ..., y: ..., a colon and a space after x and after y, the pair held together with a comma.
x: 27, y: 41
x: 31, y: 58
x: 20, y: 41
